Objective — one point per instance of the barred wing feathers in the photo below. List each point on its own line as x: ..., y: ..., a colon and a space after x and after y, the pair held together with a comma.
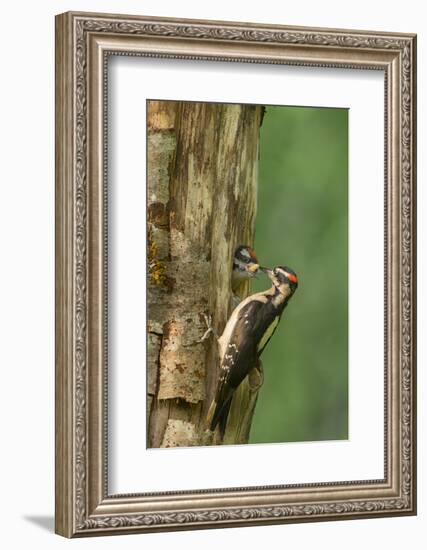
x: 239, y: 357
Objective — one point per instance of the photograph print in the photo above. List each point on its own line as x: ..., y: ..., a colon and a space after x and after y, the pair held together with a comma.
x: 247, y: 274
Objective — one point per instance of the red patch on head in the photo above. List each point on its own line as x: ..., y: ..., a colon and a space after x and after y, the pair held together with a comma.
x: 292, y: 278
x: 252, y: 254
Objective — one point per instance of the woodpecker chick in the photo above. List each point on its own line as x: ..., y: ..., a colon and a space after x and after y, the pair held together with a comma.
x: 245, y: 266
x: 245, y: 337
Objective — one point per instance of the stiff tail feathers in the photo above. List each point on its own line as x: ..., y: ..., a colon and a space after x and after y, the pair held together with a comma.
x: 222, y: 422
x: 218, y: 415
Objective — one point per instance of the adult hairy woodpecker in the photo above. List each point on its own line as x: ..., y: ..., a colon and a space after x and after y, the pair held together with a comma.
x: 245, y: 336
x: 245, y: 266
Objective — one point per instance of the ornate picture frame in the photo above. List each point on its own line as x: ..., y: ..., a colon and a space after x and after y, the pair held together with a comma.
x: 83, y: 43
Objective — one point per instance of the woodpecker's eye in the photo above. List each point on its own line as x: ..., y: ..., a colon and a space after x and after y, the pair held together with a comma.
x: 275, y: 271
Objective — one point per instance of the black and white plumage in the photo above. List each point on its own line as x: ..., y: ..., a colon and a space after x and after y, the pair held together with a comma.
x: 245, y: 337
x: 245, y: 266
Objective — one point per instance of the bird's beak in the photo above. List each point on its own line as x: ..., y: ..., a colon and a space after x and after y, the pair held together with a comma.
x: 253, y: 268
x: 267, y: 271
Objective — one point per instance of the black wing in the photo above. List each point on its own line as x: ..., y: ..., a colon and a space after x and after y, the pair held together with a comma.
x: 240, y: 356
x: 241, y: 352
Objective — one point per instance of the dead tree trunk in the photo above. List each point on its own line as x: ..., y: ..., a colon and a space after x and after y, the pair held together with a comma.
x: 202, y: 189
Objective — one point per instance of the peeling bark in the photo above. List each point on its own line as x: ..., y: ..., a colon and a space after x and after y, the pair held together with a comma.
x: 201, y: 204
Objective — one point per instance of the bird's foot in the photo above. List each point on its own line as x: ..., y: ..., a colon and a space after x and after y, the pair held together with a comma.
x: 209, y: 328
x: 256, y: 376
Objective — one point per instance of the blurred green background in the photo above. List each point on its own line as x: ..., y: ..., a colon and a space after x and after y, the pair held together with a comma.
x: 302, y: 223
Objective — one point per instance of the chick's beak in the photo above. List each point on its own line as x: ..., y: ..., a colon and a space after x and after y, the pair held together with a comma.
x: 253, y: 268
